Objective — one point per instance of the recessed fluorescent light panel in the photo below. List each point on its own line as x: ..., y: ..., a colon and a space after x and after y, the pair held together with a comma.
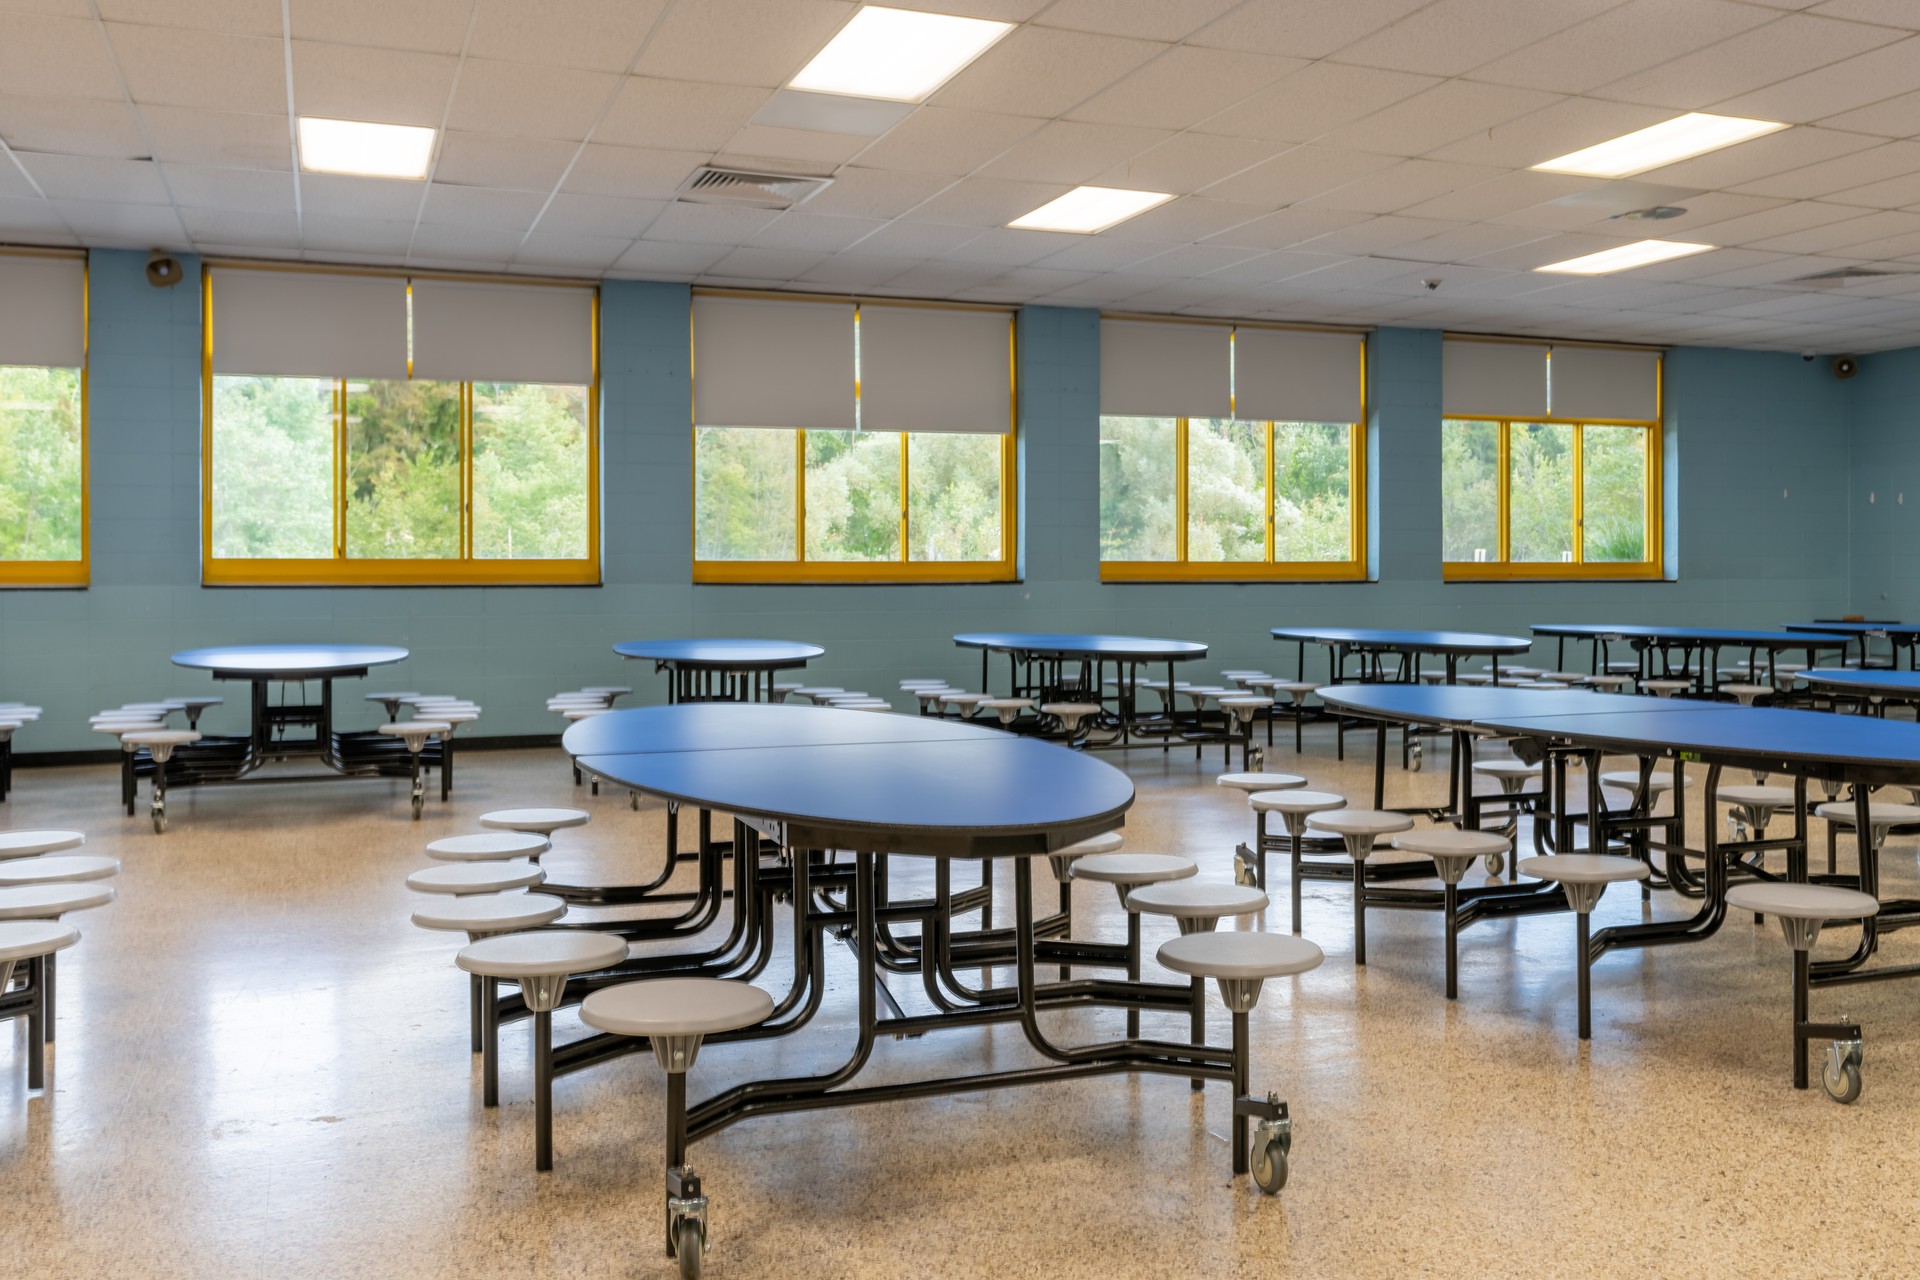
x: 1087, y: 210
x: 1667, y: 143
x: 370, y: 150
x: 1641, y: 253
x: 899, y: 55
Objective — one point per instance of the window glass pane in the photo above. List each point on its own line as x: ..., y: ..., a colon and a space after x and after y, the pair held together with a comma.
x: 1470, y: 490
x: 1540, y: 492
x: 39, y: 463
x: 743, y: 493
x: 529, y: 471
x: 1226, y: 490
x: 1613, y: 472
x: 953, y: 496
x: 403, y: 470
x: 1311, y: 491
x: 273, y: 468
x: 1137, y: 489
x: 853, y: 495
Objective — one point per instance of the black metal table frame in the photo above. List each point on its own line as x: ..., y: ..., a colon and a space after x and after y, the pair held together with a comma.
x: 1126, y: 721
x: 1706, y: 673
x: 733, y: 681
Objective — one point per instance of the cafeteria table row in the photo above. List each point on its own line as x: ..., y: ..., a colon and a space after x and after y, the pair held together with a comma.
x: 1687, y: 653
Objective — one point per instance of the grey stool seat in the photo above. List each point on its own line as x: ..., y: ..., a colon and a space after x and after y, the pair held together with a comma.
x: 1197, y: 905
x: 1453, y: 850
x: 540, y: 962
x: 543, y: 821
x: 1062, y: 860
x: 462, y: 878
x: 1240, y: 956
x: 489, y: 846
x: 1260, y: 781
x: 33, y: 943
x: 415, y: 732
x: 31, y: 939
x: 1629, y: 780
x: 1583, y: 877
x: 1801, y: 909
x: 1295, y: 807
x: 668, y: 1007
x: 28, y: 844
x: 1881, y: 814
x: 1359, y: 828
x: 1008, y: 709
x: 75, y: 866
x: 53, y: 900
x: 483, y: 915
x: 1296, y: 802
x: 1611, y: 683
x: 1764, y: 797
x: 1665, y: 688
x: 1070, y: 714
x: 1133, y: 869
x: 1746, y: 693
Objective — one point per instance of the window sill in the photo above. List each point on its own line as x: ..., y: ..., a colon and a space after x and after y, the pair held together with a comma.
x: 847, y: 573
x: 1475, y: 571
x: 399, y: 573
x: 1237, y: 571
x: 36, y: 574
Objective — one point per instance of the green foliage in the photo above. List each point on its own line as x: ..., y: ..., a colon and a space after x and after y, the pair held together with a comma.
x: 403, y: 470
x: 1613, y: 470
x: 1469, y: 489
x: 1226, y: 490
x: 40, y: 463
x: 1137, y: 500
x: 1540, y: 493
x: 273, y: 468
x: 529, y: 471
x: 743, y: 497
x: 1313, y: 492
x: 853, y: 495
x: 953, y: 497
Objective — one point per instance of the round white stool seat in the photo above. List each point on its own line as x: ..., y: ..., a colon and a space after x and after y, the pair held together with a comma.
x: 488, y: 846
x: 676, y: 1007
x: 1243, y: 707
x: 1504, y: 769
x: 1361, y: 822
x: 965, y: 702
x: 608, y: 690
x: 1134, y: 868
x: 415, y: 732
x: 1612, y: 683
x: 51, y: 901
x: 1008, y: 709
x: 1629, y: 780
x: 76, y: 866
x: 1452, y: 842
x: 934, y: 693
x: 585, y: 713
x: 1756, y: 797
x: 28, y: 939
x: 1880, y: 813
x: 815, y: 690
x: 1196, y: 899
x: 198, y: 702
x: 543, y: 821
x: 1537, y: 684
x: 1070, y: 712
x: 27, y: 844
x: 1302, y: 802
x: 491, y: 913
x: 476, y: 877
x: 1105, y: 842
x: 917, y: 683
x: 1473, y: 677
x: 1252, y: 782
x: 160, y: 742
x: 1565, y: 677
x: 1746, y: 693
x: 542, y: 953
x: 1583, y: 868
x: 1802, y: 901
x: 1665, y: 688
x: 1240, y: 955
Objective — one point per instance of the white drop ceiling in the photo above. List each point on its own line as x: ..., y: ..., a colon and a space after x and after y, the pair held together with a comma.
x: 1330, y: 156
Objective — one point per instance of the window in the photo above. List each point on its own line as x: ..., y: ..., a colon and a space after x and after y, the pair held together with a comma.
x: 43, y: 421
x: 1228, y: 499
x: 1551, y: 494
x: 901, y: 474
x: 1241, y: 493
x: 425, y: 474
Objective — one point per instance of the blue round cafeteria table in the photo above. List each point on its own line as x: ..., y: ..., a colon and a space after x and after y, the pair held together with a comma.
x: 723, y: 670
x: 1369, y: 643
x: 1037, y: 661
x: 1663, y: 642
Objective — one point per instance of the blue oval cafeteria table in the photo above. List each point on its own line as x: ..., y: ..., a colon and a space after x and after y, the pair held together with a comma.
x: 720, y: 670
x: 1038, y: 665
x: 1656, y: 648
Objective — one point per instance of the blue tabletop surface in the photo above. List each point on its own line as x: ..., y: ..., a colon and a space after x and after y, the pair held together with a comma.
x: 1870, y: 679
x: 1868, y: 628
x: 1690, y: 635
x: 855, y: 779
x: 725, y: 654
x: 289, y: 661
x: 1777, y: 738
x: 1467, y: 642
x: 1459, y: 705
x: 1090, y: 646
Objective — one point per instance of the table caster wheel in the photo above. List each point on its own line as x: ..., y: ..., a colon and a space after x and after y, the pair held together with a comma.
x: 1256, y: 760
x: 1496, y: 863
x: 1841, y: 1075
x: 1242, y: 872
x: 419, y: 801
x: 1413, y: 756
x: 689, y: 1244
x: 1270, y: 1162
x: 159, y: 819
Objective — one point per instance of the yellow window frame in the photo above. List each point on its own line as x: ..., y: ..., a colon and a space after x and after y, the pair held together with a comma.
x: 339, y: 569
x: 68, y: 573
x: 801, y: 570
x: 1652, y: 568
x: 1181, y: 569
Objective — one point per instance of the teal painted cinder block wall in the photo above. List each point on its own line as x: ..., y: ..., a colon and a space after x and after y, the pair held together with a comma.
x: 1758, y: 496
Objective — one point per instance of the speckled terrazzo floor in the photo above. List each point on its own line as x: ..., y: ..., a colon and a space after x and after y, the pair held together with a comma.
x: 262, y: 1070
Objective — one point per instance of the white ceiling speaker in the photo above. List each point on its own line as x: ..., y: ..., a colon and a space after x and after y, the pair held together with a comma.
x: 1845, y: 367
x: 163, y: 270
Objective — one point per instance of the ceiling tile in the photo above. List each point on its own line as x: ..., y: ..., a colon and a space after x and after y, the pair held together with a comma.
x: 1008, y: 248
x: 856, y: 273
x: 1775, y: 153
x: 597, y: 217
x: 1408, y: 182
x: 1187, y: 162
x: 1540, y: 252
x: 1037, y: 71
x: 1567, y: 125
x: 123, y: 225
x: 937, y: 279
x: 261, y: 230
x: 430, y: 26
x: 906, y: 238
x: 596, y: 35
x: 522, y: 164
x: 709, y: 224
x: 250, y: 191
x: 1888, y: 13
x: 1185, y: 220
x: 634, y: 172
x: 179, y: 68
x: 1870, y: 165
x: 761, y: 42
x: 672, y: 258
x: 1194, y: 260
x: 241, y: 17
x: 188, y: 135
x: 380, y: 199
x: 1141, y: 19
x: 1184, y: 86
x: 1097, y: 253
x: 1508, y: 193
x: 1297, y: 175
x: 439, y: 240
x: 1303, y: 28
x: 1798, y: 215
x: 859, y: 192
x: 482, y: 207
x: 524, y: 100
x: 1894, y: 118
x: 588, y: 253
x: 329, y: 233
x: 987, y: 202
x: 345, y: 82
x: 678, y: 115
x: 941, y: 140
x: 1288, y: 227
x: 815, y: 232
x: 1463, y: 243
x: 93, y: 178
x: 1894, y: 193
x: 1622, y: 42
x: 1373, y: 236
x: 1835, y: 237
x: 1435, y: 117
x: 1313, y: 100
x: 811, y: 148
x: 1451, y: 37
x: 74, y: 126
x: 1751, y: 60
x: 1842, y: 86
x: 1033, y: 282
x: 1070, y: 152
x: 33, y: 221
x: 51, y: 56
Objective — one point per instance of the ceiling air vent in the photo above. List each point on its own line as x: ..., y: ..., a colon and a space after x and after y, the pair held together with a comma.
x: 1841, y: 277
x: 709, y: 185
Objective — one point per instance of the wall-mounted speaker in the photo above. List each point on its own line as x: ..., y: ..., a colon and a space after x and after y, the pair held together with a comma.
x: 163, y: 270
x: 1845, y: 367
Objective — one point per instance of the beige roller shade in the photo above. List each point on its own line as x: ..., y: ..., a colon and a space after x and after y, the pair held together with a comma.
x: 308, y: 324
x: 764, y: 363
x: 1594, y: 382
x: 502, y: 332
x: 1493, y: 379
x: 1152, y: 370
x: 926, y: 369
x: 42, y: 311
x: 1296, y: 377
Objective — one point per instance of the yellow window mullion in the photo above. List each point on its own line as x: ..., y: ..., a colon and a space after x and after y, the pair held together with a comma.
x: 1180, y: 489
x: 1273, y: 493
x: 466, y: 470
x: 1505, y: 488
x: 1579, y: 496
x: 903, y: 496
x: 340, y: 469
x: 800, y: 495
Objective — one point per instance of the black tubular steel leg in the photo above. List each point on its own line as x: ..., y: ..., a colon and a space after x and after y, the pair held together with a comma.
x: 1380, y: 766
x: 1359, y: 911
x: 676, y: 1138
x: 1800, y: 968
x: 1197, y: 1026
x: 48, y: 967
x: 1586, y: 983
x: 543, y: 1090
x: 1240, y: 1078
x: 446, y: 768
x: 476, y: 1000
x: 1293, y: 834
x: 1453, y: 942
x: 1133, y: 968
x: 1066, y: 916
x: 489, y: 1042
x: 37, y: 1025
